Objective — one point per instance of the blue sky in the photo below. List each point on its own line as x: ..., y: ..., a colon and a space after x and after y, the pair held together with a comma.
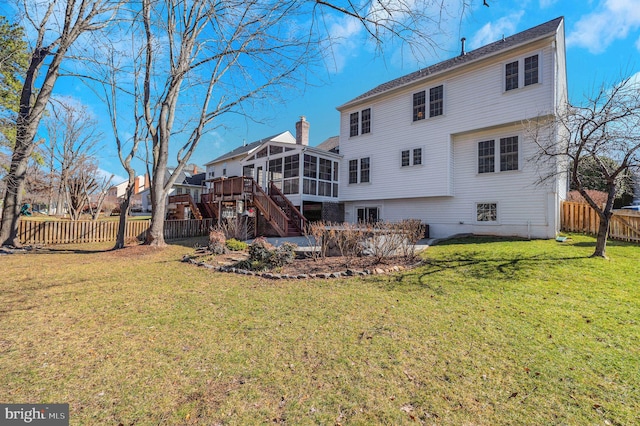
x: 603, y: 42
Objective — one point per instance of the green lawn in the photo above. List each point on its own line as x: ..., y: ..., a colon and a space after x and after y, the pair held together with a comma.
x: 488, y: 332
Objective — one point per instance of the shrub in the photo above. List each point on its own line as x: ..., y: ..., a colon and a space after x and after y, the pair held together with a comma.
x: 217, y: 242
x: 260, y: 250
x: 235, y: 245
x: 283, y: 255
x: 263, y: 255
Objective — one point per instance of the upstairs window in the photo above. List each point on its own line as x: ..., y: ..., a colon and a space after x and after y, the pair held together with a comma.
x: 411, y: 157
x: 354, y: 119
x: 514, y: 79
x: 486, y: 157
x: 360, y: 170
x: 436, y: 101
x: 360, y: 122
x: 406, y: 158
x: 511, y: 76
x: 508, y: 155
x: 365, y: 165
x: 417, y: 156
x: 418, y: 106
x: 531, y: 70
x: 353, y: 171
x: 366, y: 121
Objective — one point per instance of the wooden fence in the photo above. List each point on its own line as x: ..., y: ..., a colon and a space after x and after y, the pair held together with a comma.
x: 87, y: 231
x: 580, y: 217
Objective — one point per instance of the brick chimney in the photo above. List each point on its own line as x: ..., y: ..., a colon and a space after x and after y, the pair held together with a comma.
x: 302, y: 131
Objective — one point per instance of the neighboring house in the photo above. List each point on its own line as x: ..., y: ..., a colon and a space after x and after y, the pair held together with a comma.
x: 296, y: 178
x: 447, y: 144
x: 230, y: 164
x: 189, y: 182
x: 117, y: 192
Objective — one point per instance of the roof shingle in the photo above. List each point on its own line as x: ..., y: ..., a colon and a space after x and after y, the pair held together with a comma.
x: 542, y: 30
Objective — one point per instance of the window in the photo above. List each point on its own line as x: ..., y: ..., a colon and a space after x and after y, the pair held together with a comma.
x: 275, y: 169
x: 275, y: 149
x: 262, y: 153
x: 353, y: 171
x: 354, y: 119
x: 291, y: 183
x: 291, y: 166
x: 310, y: 166
x: 368, y: 214
x: 509, y: 153
x: 511, y: 76
x: 248, y: 170
x: 418, y: 106
x: 366, y: 121
x: 530, y: 76
x: 435, y: 101
x: 325, y: 169
x: 290, y: 186
x: 360, y: 122
x: 406, y: 158
x: 309, y: 186
x: 364, y: 169
x: 486, y: 157
x: 417, y: 156
x: 411, y: 157
x: 531, y: 70
x: 486, y: 212
x: 335, y: 171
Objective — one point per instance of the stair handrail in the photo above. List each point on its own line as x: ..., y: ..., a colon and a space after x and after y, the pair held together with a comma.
x: 298, y: 220
x: 270, y: 209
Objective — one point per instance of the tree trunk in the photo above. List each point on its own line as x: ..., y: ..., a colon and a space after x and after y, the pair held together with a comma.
x: 13, y: 196
x: 122, y: 224
x: 155, y: 235
x: 124, y: 211
x: 603, y: 235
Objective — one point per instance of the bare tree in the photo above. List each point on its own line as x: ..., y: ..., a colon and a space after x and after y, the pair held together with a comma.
x: 85, y: 189
x: 73, y: 140
x: 213, y: 58
x: 112, y: 91
x: 67, y: 20
x: 606, y: 126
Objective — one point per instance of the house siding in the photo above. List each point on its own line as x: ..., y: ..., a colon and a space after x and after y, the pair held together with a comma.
x: 444, y: 189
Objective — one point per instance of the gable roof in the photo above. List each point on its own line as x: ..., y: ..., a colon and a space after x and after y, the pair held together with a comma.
x: 535, y: 33
x: 245, y: 149
x: 330, y: 144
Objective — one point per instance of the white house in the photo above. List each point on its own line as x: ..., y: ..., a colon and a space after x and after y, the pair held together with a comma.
x: 188, y: 182
x: 448, y: 144
x: 307, y: 176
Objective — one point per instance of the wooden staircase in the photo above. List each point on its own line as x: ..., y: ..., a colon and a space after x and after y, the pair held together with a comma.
x: 181, y: 201
x: 283, y: 216
x: 296, y: 221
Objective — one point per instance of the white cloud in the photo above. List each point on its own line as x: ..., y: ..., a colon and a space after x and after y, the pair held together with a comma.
x: 493, y: 31
x: 115, y: 180
x: 613, y: 20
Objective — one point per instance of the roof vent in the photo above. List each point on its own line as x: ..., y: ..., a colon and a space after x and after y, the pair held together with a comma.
x: 462, y: 52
